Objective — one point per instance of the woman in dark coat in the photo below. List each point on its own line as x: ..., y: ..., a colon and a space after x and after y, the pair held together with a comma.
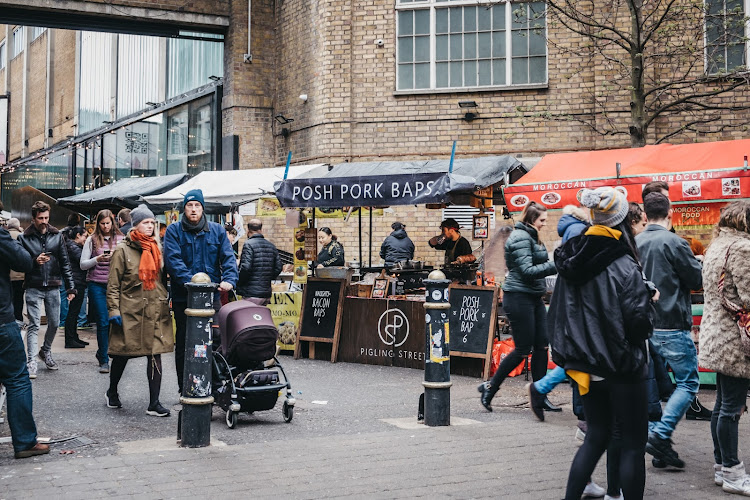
x: 600, y: 319
x: 528, y: 264
x: 331, y: 251
x: 138, y: 304
x: 75, y: 238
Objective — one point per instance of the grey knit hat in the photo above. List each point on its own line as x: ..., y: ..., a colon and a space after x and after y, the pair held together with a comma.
x: 608, y: 205
x: 141, y: 212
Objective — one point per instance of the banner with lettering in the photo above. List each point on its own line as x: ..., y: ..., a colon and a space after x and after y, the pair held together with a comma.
x: 699, y: 214
x: 285, y: 309
x: 377, y: 190
x: 688, y: 187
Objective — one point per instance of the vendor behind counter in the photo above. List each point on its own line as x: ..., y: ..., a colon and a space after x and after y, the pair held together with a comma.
x: 457, y: 248
x: 331, y: 252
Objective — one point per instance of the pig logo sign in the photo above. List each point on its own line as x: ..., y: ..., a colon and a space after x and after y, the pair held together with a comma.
x: 393, y: 327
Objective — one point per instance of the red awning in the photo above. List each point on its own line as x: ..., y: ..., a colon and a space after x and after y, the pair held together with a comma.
x: 711, y: 171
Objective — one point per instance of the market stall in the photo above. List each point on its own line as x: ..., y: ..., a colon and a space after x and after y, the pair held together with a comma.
x: 702, y: 179
x: 382, y: 320
x: 124, y: 193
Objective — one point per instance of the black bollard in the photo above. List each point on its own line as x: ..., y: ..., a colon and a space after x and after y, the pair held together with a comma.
x: 437, y: 365
x: 194, y: 423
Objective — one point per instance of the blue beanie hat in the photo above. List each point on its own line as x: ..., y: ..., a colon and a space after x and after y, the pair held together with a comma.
x: 194, y: 195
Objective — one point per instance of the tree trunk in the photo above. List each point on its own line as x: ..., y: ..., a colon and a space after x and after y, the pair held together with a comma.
x: 637, y: 98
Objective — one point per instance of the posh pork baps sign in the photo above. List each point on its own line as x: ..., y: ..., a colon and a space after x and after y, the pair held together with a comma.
x: 383, y: 190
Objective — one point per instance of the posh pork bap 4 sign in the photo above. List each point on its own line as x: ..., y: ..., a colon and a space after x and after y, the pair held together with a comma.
x: 371, y: 191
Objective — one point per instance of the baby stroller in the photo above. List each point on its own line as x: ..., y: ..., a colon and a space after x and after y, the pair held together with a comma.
x: 247, y: 376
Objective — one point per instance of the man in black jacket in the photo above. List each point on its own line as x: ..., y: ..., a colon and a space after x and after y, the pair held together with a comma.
x: 76, y: 237
x: 668, y: 262
x: 13, y: 373
x: 51, y: 267
x: 397, y: 246
x: 259, y: 264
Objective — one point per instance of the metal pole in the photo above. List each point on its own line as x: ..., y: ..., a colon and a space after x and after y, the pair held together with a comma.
x: 437, y: 365
x: 194, y: 423
x: 369, y: 260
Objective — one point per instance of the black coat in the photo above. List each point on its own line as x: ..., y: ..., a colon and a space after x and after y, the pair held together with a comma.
x: 397, y: 247
x: 331, y: 254
x: 259, y: 264
x: 57, y: 269
x: 601, y: 311
x: 74, y: 254
x: 12, y: 256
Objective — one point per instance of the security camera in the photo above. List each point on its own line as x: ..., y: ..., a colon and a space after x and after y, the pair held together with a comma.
x: 379, y: 42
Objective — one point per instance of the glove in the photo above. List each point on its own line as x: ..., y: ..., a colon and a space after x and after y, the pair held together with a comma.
x: 117, y: 320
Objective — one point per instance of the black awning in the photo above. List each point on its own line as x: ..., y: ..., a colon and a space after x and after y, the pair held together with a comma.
x: 394, y: 182
x: 123, y: 193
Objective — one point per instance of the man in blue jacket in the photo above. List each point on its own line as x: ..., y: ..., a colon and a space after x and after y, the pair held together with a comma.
x: 195, y: 245
x: 13, y: 372
x: 669, y: 263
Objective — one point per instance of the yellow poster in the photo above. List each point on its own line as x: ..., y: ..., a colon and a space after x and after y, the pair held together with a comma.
x: 171, y: 216
x: 269, y: 206
x: 329, y: 213
x: 285, y: 309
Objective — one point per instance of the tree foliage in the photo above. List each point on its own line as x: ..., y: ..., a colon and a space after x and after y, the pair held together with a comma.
x: 676, y: 61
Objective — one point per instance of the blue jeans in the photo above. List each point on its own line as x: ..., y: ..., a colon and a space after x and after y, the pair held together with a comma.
x: 63, y: 304
x: 545, y: 384
x: 35, y: 297
x: 678, y: 350
x: 98, y: 303
x: 15, y: 377
x: 83, y: 316
x: 731, y: 393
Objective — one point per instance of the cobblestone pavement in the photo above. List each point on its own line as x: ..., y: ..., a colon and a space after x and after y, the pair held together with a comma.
x: 353, y: 434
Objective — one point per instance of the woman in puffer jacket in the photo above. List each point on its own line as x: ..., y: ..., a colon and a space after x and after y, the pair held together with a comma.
x: 528, y: 264
x: 599, y: 319
x: 720, y: 348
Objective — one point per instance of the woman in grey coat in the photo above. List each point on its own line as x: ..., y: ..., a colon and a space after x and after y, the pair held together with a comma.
x: 720, y: 349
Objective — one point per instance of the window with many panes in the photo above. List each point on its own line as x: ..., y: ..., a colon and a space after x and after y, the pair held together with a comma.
x: 457, y: 44
x: 726, y: 49
x: 19, y: 40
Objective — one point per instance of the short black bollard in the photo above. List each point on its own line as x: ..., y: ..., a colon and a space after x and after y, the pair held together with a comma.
x: 437, y: 365
x: 194, y: 424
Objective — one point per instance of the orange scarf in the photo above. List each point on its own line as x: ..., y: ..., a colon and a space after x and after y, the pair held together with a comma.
x: 148, y: 271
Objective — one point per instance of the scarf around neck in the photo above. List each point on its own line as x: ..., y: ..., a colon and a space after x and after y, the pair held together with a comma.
x: 148, y: 270
x: 202, y: 225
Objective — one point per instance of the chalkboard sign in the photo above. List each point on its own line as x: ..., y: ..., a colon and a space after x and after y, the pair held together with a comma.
x: 472, y: 321
x: 320, y: 319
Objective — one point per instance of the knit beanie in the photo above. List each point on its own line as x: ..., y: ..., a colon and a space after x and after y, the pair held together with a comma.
x: 14, y: 223
x: 608, y: 205
x: 141, y: 212
x: 194, y: 195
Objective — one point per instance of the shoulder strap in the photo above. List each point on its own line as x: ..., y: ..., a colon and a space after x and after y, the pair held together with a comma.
x: 725, y: 302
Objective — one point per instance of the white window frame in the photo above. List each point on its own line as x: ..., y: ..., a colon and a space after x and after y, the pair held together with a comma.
x: 19, y: 42
x: 706, y: 58
x: 37, y: 31
x: 3, y: 54
x: 432, y: 5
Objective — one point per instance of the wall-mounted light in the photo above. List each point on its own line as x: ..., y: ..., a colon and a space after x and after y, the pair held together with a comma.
x: 283, y: 119
x: 467, y: 104
x: 469, y: 115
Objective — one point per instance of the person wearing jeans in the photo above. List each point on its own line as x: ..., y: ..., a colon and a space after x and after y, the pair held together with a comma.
x: 670, y: 264
x: 528, y: 265
x: 720, y: 344
x: 14, y: 374
x: 95, y: 257
x: 51, y: 268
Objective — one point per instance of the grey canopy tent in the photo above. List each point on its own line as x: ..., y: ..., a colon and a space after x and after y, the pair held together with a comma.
x: 123, y: 193
x: 397, y: 182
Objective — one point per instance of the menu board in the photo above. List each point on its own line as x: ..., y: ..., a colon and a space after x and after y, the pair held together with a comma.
x: 473, y: 314
x: 322, y: 304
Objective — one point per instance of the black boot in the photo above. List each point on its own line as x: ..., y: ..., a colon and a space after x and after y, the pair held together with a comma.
x: 548, y: 406
x: 696, y: 411
x: 536, y: 401
x: 487, y: 394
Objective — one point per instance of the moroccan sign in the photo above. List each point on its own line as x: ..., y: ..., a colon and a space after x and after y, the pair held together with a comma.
x: 381, y: 190
x: 709, y: 185
x: 698, y: 214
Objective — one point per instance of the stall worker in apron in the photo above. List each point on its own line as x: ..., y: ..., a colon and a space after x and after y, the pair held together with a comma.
x: 457, y: 248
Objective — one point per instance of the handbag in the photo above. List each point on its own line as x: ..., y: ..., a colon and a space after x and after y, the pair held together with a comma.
x: 740, y: 314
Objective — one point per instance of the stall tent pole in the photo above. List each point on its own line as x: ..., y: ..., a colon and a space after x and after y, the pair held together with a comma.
x: 359, y: 218
x: 370, y: 258
x: 313, y: 227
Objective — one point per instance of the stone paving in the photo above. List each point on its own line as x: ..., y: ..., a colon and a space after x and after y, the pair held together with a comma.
x: 362, y: 442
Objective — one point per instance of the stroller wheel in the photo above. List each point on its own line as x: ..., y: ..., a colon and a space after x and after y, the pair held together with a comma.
x: 288, y: 411
x: 231, y: 419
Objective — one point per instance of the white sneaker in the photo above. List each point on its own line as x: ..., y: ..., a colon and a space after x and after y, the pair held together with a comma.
x: 593, y: 490
x: 736, y: 480
x: 32, y: 367
x: 580, y: 436
x: 619, y: 497
x: 718, y: 475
